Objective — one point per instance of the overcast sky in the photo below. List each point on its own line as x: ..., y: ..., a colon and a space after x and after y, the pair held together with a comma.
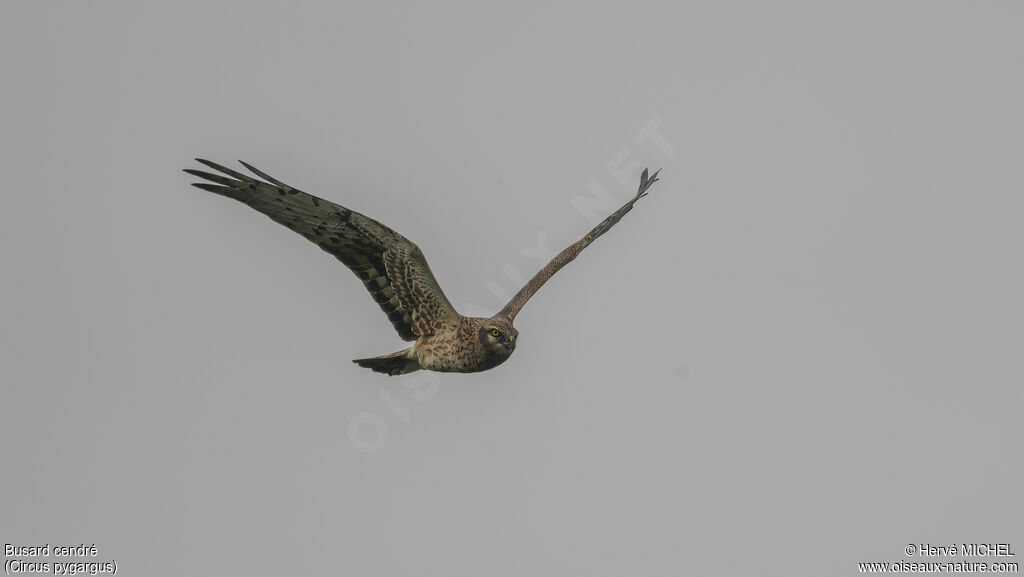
x: 800, y: 352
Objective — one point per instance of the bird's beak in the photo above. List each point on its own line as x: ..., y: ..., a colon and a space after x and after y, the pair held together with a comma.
x: 509, y: 344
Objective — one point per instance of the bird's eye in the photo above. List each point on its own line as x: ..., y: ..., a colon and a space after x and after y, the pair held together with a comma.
x: 495, y: 333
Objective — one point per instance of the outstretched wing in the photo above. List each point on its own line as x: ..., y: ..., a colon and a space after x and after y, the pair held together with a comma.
x: 393, y: 269
x: 566, y: 256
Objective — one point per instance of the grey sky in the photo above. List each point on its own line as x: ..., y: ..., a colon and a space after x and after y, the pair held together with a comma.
x: 801, y: 351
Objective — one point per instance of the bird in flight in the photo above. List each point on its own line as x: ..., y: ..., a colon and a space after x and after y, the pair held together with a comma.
x: 396, y: 273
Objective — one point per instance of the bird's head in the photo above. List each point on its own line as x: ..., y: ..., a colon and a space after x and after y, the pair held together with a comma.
x: 498, y: 336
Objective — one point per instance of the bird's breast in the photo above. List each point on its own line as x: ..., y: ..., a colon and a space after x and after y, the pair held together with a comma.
x: 450, y: 354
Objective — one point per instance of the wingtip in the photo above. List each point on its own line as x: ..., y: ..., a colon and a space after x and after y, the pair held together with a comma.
x: 264, y: 175
x: 646, y: 181
x: 214, y: 188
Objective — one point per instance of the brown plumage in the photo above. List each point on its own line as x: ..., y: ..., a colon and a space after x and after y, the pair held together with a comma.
x: 396, y: 273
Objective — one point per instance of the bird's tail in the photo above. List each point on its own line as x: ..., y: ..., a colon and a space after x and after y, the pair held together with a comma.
x: 398, y: 363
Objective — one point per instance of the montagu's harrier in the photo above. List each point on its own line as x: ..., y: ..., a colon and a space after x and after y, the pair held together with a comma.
x: 395, y: 272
